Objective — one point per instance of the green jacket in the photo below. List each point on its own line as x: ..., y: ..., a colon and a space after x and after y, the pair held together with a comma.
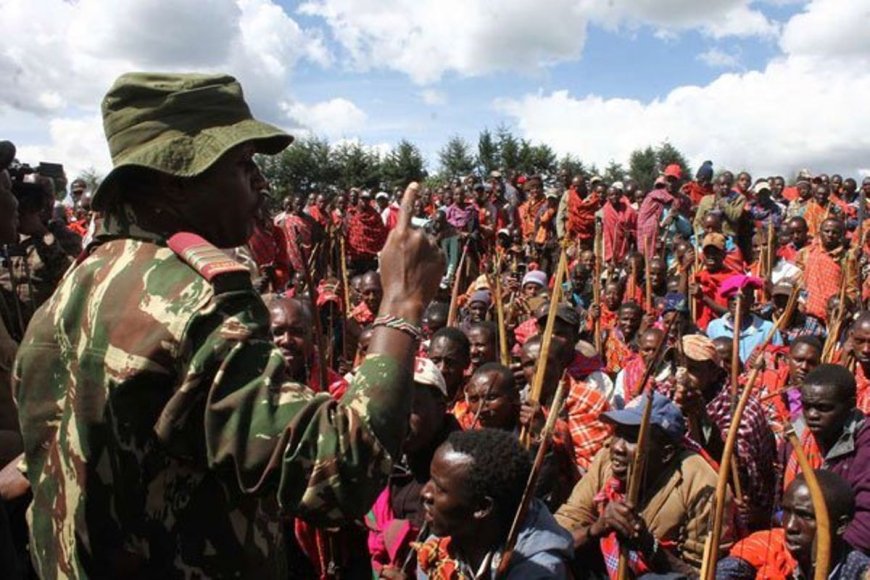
x: 162, y: 438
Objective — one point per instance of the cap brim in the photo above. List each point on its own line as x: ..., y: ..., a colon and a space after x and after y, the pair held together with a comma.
x: 622, y: 417
x: 184, y: 155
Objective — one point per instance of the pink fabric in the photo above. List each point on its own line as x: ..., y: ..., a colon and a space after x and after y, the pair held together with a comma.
x: 648, y: 219
x: 620, y: 227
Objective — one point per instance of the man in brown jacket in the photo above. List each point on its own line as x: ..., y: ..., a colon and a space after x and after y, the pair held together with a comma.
x: 665, y: 531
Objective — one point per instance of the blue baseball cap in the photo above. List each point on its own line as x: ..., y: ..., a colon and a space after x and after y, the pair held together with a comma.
x: 665, y: 414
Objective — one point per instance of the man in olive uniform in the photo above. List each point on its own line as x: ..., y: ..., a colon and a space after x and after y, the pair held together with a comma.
x: 161, y: 436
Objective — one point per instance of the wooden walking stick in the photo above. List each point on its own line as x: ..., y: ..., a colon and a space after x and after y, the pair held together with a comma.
x: 531, y: 483
x: 647, y: 285
x: 596, y: 285
x: 735, y: 379
x: 504, y: 353
x: 318, y: 329
x: 725, y: 465
x: 638, y: 464
x: 454, y: 294
x: 345, y: 287
x: 822, y: 562
x: 711, y: 547
x: 541, y: 368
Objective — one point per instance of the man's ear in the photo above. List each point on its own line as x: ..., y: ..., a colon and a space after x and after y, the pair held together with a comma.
x: 484, y: 508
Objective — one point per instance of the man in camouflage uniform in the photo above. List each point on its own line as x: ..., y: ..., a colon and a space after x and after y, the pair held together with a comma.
x: 34, y: 265
x: 161, y: 436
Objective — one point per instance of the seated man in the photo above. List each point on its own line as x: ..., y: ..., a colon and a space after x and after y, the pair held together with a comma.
x: 477, y: 483
x: 704, y: 397
x: 492, y: 399
x: 483, y: 343
x: 753, y: 329
x: 628, y: 380
x: 666, y: 529
x: 583, y: 406
x: 449, y: 349
x: 837, y: 438
x: 789, y: 551
x: 397, y: 515
x: 621, y: 343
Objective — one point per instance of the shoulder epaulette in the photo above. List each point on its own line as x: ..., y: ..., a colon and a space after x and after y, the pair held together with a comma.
x: 208, y: 260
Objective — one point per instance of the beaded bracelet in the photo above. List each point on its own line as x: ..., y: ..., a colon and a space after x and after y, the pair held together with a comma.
x: 399, y: 324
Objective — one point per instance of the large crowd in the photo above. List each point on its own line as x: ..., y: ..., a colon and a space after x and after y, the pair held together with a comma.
x: 499, y: 376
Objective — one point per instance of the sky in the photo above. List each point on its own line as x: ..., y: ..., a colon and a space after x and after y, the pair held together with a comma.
x: 769, y: 86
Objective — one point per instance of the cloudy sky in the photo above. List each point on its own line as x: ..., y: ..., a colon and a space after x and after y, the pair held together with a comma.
x: 768, y: 85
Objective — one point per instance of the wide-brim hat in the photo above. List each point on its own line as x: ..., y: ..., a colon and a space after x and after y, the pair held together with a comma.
x: 178, y: 124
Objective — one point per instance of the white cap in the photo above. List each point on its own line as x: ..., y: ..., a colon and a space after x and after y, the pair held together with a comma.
x: 382, y: 195
x: 761, y: 185
x: 426, y: 373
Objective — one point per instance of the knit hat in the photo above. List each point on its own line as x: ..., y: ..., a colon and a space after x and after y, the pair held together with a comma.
x: 537, y: 277
x: 705, y: 172
x: 179, y: 124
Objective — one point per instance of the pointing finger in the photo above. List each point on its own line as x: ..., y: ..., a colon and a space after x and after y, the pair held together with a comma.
x: 406, y: 210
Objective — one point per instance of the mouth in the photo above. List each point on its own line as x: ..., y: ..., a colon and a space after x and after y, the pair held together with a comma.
x: 619, y: 466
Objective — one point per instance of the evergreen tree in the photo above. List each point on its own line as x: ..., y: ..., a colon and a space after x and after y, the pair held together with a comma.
x: 456, y: 159
x: 487, y: 153
x: 613, y: 172
x: 403, y: 164
x: 643, y: 167
x: 356, y: 166
x: 666, y: 154
x: 509, y: 149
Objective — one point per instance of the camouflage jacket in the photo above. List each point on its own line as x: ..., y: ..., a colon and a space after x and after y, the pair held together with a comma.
x: 162, y: 438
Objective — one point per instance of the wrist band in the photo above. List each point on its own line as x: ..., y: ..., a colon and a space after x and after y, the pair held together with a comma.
x: 399, y: 324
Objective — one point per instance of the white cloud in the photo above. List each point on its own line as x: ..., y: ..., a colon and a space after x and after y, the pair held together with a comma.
x: 333, y: 118
x: 715, y: 18
x: 717, y: 58
x: 806, y: 108
x: 78, y: 144
x: 433, y: 98
x: 426, y: 39
x: 829, y: 28
x: 60, y: 57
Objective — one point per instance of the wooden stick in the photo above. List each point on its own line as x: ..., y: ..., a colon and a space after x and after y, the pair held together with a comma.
x: 647, y: 285
x: 345, y: 287
x: 712, y: 555
x: 318, y: 330
x: 822, y: 562
x: 596, y: 285
x: 735, y: 378
x: 638, y: 466
x: 454, y: 295
x: 541, y: 368
x: 529, y: 491
x: 504, y: 353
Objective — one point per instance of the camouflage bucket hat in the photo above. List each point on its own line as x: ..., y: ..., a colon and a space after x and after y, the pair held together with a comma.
x: 178, y: 124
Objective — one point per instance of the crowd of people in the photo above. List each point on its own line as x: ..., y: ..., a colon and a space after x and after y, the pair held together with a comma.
x: 501, y: 376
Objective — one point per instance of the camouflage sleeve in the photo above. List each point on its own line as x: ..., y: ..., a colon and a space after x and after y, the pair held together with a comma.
x: 326, y: 460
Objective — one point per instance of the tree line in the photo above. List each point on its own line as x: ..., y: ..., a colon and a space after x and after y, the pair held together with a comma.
x: 313, y: 164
